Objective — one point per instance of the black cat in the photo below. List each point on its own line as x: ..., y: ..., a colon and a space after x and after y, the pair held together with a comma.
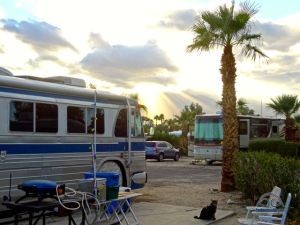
x: 208, y: 212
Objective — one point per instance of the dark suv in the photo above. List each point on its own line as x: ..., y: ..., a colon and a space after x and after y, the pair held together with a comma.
x: 161, y: 150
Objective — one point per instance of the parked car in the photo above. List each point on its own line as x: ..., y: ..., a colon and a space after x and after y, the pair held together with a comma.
x: 161, y: 150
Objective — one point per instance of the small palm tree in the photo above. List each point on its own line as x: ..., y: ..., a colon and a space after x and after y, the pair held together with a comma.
x: 227, y: 29
x: 286, y: 105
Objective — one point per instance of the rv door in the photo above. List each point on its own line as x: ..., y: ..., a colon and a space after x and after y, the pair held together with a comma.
x: 244, y: 132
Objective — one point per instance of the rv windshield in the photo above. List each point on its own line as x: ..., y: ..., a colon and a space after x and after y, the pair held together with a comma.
x: 208, y: 131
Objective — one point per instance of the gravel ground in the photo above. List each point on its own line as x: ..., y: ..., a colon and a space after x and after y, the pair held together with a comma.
x: 190, y: 193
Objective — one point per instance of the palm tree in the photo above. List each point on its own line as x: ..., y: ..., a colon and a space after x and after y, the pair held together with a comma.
x: 140, y: 106
x: 156, y: 117
x: 187, y: 117
x: 286, y: 105
x: 161, y: 118
x: 227, y: 29
x: 241, y: 107
x: 172, y: 124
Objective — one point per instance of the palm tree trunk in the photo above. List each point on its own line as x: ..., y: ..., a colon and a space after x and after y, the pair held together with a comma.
x: 231, y: 141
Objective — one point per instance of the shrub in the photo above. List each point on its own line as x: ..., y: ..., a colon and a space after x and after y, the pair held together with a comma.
x: 174, y: 140
x: 278, y: 146
x: 258, y: 172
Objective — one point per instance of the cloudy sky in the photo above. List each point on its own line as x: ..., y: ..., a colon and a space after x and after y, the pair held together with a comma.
x: 139, y: 46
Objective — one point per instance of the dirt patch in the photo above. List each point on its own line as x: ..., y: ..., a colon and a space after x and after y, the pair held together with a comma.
x: 196, y: 196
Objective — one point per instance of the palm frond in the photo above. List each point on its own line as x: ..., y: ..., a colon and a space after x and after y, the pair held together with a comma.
x: 224, y: 27
x: 247, y: 38
x: 285, y: 104
x: 253, y: 52
x: 214, y: 21
x: 250, y: 8
x: 240, y: 22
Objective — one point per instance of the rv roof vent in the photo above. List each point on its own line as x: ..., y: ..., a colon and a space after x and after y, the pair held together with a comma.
x: 68, y: 80
x: 5, y: 72
x: 59, y: 80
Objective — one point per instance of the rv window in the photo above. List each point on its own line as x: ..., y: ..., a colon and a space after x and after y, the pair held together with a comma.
x: 259, y: 131
x: 21, y: 116
x: 121, y: 124
x: 46, y: 118
x: 99, y: 121
x: 274, y: 129
x: 162, y: 145
x: 76, y: 119
x: 136, y: 124
x: 243, y: 128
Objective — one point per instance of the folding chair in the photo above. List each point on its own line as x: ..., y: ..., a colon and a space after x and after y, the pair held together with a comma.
x: 267, y: 204
x: 273, y: 220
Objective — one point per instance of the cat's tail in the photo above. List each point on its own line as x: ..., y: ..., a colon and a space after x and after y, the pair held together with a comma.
x: 197, y: 217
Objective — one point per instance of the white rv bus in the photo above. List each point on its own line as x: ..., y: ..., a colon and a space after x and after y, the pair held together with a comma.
x: 47, y: 132
x: 208, y: 134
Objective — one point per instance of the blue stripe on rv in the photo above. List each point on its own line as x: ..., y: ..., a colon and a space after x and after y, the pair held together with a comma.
x: 67, y: 148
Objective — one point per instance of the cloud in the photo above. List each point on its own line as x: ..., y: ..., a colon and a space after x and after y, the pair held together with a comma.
x: 120, y: 63
x: 290, y: 79
x: 96, y: 41
x: 40, y: 35
x: 177, y: 101
x: 182, y: 19
x: 35, y: 63
x: 277, y: 37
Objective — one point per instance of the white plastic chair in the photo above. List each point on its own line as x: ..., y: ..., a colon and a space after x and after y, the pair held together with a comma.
x: 267, y: 204
x: 273, y: 220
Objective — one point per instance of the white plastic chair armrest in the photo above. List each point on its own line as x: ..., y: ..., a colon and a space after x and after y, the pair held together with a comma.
x: 277, y: 212
x: 251, y: 208
x: 269, y: 218
x: 265, y: 223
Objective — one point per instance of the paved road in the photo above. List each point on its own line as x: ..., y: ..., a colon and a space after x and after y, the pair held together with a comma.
x: 182, y: 171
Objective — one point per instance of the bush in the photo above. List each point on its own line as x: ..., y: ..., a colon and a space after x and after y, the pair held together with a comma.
x: 174, y: 140
x: 258, y: 172
x: 278, y: 146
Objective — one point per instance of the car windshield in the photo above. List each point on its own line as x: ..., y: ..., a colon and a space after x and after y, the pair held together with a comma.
x: 150, y: 144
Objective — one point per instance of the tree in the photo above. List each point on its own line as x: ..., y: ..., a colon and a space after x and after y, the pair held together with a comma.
x: 172, y: 124
x: 297, y: 118
x: 227, y: 29
x: 186, y: 119
x: 140, y: 106
x: 241, y: 107
x: 286, y: 105
x: 156, y: 117
x: 147, y: 124
x: 187, y: 116
x: 161, y: 117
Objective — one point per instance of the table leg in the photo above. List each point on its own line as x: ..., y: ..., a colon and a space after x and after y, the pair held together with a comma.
x: 30, y: 218
x: 16, y: 218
